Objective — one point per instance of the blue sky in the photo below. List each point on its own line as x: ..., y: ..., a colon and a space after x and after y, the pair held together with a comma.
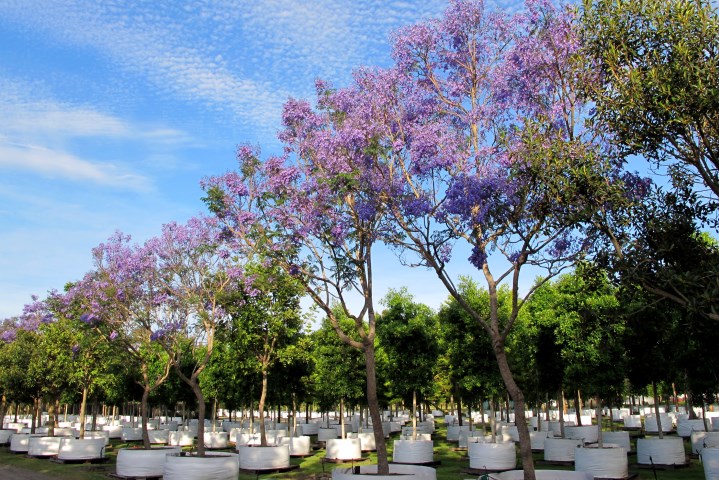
x: 112, y: 111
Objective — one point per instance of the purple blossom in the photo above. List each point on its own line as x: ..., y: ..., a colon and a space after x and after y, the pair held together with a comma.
x: 113, y: 335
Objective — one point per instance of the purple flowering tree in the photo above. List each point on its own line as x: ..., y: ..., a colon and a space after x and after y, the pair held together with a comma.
x: 195, y: 271
x: 121, y: 299
x: 303, y: 211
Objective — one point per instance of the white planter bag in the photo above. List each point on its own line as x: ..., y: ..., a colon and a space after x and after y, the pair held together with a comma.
x: 213, y: 466
x: 114, y: 431
x: 397, y: 472
x: 264, y: 458
x: 343, y: 449
x: 710, y: 460
x: 650, y: 423
x: 702, y: 440
x: 618, y: 438
x: 130, y: 434
x: 159, y: 436
x: 685, y: 427
x: 299, y: 446
x: 560, y: 449
x: 5, y: 436
x: 588, y: 434
x: 546, y: 475
x: 20, y: 442
x: 215, y: 439
x: 182, y: 439
x: 416, y: 452
x: 602, y: 462
x: 135, y: 462
x: 81, y: 449
x: 492, y: 456
x: 309, y: 428
x: 325, y: 434
x: 537, y: 440
x: 664, y: 451
x: 44, y: 446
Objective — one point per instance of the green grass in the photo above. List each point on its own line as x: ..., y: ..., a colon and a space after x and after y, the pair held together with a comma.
x: 452, y: 463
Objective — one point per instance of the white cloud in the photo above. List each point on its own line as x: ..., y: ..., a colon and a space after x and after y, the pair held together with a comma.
x: 58, y: 164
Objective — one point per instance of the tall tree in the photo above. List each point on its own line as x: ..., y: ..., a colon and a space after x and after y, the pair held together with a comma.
x: 408, y: 334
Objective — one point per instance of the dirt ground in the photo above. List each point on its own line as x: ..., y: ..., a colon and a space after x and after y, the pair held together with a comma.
x: 13, y: 473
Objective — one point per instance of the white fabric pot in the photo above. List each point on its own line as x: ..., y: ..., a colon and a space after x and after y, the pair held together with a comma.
x: 81, y: 449
x: 324, y: 434
x: 602, y: 462
x: 115, y: 431
x: 5, y: 436
x: 492, y: 456
x: 182, y: 439
x: 632, y: 421
x: 215, y: 439
x: 702, y: 440
x: 367, y: 441
x: 410, y: 451
x: 710, y: 460
x: 159, y: 436
x: 43, y: 446
x: 560, y: 449
x: 650, y: 423
x: 264, y: 458
x: 397, y: 472
x: 664, y: 451
x: 309, y: 428
x: 512, y: 431
x: 131, y: 434
x: 213, y: 466
x: 685, y: 427
x: 100, y: 435
x: 618, y: 438
x: 453, y: 432
x: 588, y: 434
x: 546, y: 475
x: 136, y: 462
x: 420, y: 436
x: 536, y: 439
x: 247, y: 439
x: 343, y: 449
x: 299, y: 446
x: 20, y: 442
x: 64, y: 432
x: 554, y: 426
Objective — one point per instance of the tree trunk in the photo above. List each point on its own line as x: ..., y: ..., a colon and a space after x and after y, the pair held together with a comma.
x: 373, y: 404
x: 261, y: 407
x: 201, y: 409
x: 83, y: 405
x: 525, y: 446
x: 34, y: 416
x: 656, y: 409
x: 599, y: 422
x: 562, y: 406
x: 342, y: 418
x: 414, y: 414
x: 144, y: 405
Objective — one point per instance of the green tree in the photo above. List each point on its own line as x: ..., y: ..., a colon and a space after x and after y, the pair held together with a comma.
x: 407, y: 333
x: 266, y: 322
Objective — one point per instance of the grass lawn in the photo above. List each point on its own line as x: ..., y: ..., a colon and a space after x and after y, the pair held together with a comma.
x: 452, y: 462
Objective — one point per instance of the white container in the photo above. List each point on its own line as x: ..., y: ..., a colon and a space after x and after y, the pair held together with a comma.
x: 453, y: 432
x: 546, y: 475
x: 413, y: 451
x: 661, y: 451
x: 492, y: 456
x: 114, y: 431
x: 702, y: 440
x: 215, y: 439
x: 367, y: 441
x: 130, y: 434
x: 137, y: 462
x: 710, y: 460
x: 588, y: 434
x: 213, y: 466
x: 650, y: 423
x: 5, y: 436
x: 537, y: 439
x: 309, y: 428
x: 602, y: 462
x: 620, y: 438
x: 632, y: 421
x: 159, y: 436
x: 81, y: 449
x: 43, y: 446
x: 299, y: 446
x: 182, y: 439
x: 324, y: 434
x: 685, y: 427
x: 560, y: 449
x: 20, y: 442
x: 343, y: 449
x: 264, y: 458
x: 397, y: 472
